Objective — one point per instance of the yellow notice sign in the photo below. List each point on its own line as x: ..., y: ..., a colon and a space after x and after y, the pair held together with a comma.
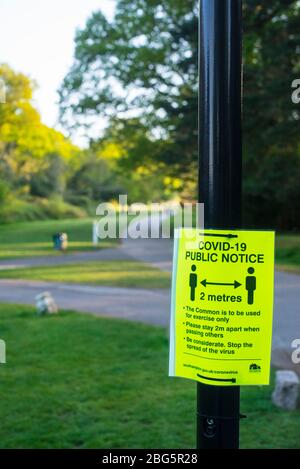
x: 222, y: 306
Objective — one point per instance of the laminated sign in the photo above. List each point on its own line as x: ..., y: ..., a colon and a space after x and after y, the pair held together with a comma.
x: 222, y: 306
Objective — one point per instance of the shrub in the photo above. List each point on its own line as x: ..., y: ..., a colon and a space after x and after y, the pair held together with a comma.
x: 15, y: 210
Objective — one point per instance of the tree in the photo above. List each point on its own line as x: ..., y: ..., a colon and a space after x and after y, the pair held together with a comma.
x: 149, y: 52
x: 94, y: 179
x: 35, y: 160
x: 271, y: 121
x: 51, y: 178
x: 144, y: 64
x: 26, y: 142
x: 135, y: 161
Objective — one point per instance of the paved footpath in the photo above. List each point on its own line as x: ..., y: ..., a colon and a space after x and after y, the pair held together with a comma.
x: 66, y: 258
x: 149, y: 306
x: 286, y: 324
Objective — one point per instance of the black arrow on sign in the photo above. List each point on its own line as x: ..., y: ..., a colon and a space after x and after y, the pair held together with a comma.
x: 230, y: 380
x: 235, y: 284
x: 218, y: 235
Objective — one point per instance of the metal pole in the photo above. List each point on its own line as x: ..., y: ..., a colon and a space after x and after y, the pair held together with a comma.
x: 220, y: 174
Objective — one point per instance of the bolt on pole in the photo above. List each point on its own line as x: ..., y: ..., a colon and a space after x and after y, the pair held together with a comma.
x: 220, y: 175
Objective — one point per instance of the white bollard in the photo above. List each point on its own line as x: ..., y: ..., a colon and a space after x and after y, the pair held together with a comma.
x: 95, y: 235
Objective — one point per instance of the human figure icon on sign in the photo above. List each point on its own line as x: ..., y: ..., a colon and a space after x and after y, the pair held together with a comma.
x: 193, y: 282
x: 250, y: 285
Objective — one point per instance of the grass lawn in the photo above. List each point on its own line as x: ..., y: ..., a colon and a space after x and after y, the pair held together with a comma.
x: 78, y: 381
x: 35, y: 238
x: 107, y: 273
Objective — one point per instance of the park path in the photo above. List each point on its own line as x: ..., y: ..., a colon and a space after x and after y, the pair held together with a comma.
x: 149, y: 306
x: 113, y: 254
x: 286, y: 323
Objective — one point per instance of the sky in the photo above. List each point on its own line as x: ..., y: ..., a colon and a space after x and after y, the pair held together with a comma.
x: 37, y: 38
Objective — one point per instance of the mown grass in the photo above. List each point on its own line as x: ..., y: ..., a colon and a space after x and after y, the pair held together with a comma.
x: 78, y: 381
x: 106, y: 273
x: 35, y: 238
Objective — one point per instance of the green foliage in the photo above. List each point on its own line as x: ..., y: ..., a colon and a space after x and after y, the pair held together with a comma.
x: 150, y: 50
x: 56, y: 208
x: 153, y: 51
x: 95, y: 179
x: 134, y: 155
x: 24, y: 139
x: 35, y: 160
x: 140, y: 71
x: 288, y: 252
x: 51, y: 177
x: 15, y: 209
x: 4, y: 192
x: 271, y: 121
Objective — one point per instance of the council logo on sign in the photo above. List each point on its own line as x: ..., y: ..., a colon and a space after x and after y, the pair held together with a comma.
x: 254, y: 368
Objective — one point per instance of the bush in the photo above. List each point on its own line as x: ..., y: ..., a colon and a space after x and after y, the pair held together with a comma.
x: 56, y: 208
x: 83, y: 202
x: 4, y: 191
x: 16, y: 210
